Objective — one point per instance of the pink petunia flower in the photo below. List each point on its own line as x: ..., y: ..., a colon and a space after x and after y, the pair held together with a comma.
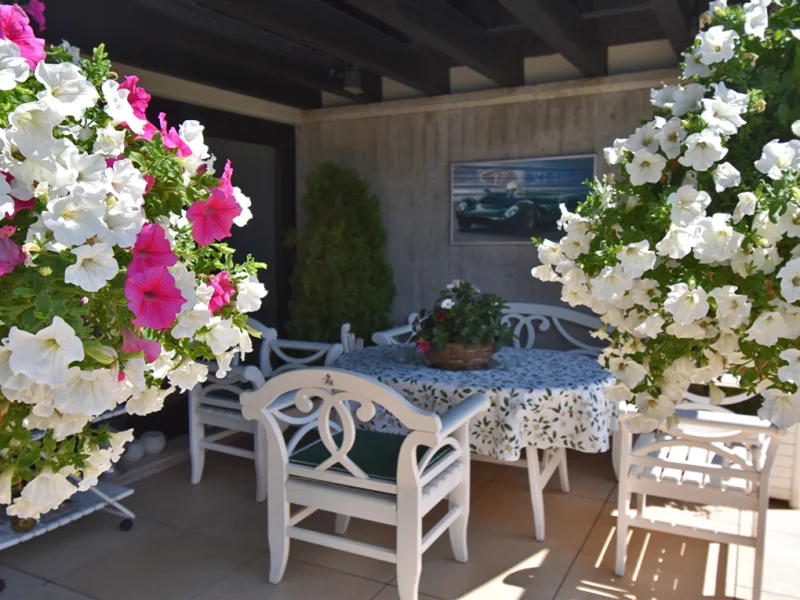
x: 15, y: 26
x: 151, y: 249
x: 22, y: 205
x: 212, y: 219
x: 223, y: 290
x: 151, y: 181
x: 11, y: 256
x: 225, y: 184
x: 133, y: 343
x: 35, y: 8
x: 172, y: 139
x: 139, y: 100
x: 6, y: 231
x: 153, y: 298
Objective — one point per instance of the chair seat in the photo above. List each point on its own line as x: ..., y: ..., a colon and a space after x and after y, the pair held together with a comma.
x: 374, y: 452
x: 684, y: 457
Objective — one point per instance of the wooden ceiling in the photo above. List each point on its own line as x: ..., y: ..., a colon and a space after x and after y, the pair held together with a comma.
x: 289, y: 51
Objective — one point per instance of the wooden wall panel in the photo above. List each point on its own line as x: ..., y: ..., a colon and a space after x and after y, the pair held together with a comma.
x: 406, y: 159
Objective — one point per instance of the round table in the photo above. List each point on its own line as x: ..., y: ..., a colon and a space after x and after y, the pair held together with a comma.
x: 549, y: 399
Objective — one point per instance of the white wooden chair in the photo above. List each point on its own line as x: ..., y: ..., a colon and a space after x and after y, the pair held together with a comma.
x: 381, y: 477
x: 525, y: 319
x: 216, y: 403
x: 711, y: 457
x: 396, y: 335
x: 349, y: 340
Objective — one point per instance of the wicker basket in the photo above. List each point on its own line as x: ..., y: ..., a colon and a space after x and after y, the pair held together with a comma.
x: 461, y: 357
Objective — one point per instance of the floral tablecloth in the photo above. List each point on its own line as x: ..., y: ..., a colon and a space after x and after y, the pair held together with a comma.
x: 550, y: 399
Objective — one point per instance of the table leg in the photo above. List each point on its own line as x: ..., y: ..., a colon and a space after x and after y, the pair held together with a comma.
x: 537, y: 498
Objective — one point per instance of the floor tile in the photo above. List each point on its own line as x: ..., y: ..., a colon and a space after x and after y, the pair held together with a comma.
x: 360, y: 530
x: 505, y: 510
x: 169, y: 564
x: 52, y: 591
x: 302, y: 580
x: 390, y: 593
x: 781, y: 572
x: 18, y: 585
x: 65, y: 549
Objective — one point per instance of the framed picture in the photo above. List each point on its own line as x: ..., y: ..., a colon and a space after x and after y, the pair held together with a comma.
x: 510, y: 201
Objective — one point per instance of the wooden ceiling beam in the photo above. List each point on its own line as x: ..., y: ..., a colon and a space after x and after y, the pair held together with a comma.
x: 674, y: 23
x: 561, y: 27
x: 440, y: 26
x: 319, y: 25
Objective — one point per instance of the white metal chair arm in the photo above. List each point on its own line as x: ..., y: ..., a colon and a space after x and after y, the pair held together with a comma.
x: 462, y: 413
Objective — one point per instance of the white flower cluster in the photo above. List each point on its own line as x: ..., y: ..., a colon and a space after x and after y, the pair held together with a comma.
x: 652, y: 292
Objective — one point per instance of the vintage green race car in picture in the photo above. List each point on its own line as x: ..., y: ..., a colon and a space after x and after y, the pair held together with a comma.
x: 519, y: 212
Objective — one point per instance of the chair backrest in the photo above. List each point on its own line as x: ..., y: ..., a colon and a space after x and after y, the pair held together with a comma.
x: 523, y: 319
x: 396, y: 335
x: 324, y: 398
x: 349, y: 340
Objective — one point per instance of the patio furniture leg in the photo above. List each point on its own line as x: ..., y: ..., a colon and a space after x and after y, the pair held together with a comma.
x: 761, y: 534
x: 615, y: 452
x: 537, y: 498
x: 641, y: 503
x: 196, y: 434
x: 460, y: 497
x: 260, y: 446
x: 341, y: 524
x: 623, y: 498
x: 563, y: 474
x: 409, y: 545
x: 277, y: 529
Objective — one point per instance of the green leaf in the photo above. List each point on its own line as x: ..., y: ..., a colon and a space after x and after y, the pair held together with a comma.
x: 24, y: 292
x: 28, y: 460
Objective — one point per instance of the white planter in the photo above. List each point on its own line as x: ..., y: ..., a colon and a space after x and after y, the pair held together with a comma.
x: 785, y: 480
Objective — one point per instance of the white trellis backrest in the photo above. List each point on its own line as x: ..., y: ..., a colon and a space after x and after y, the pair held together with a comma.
x: 525, y: 319
x: 349, y: 339
x: 324, y: 398
x: 396, y: 335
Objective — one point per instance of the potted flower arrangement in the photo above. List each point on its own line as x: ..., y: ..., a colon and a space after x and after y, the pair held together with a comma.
x: 113, y: 280
x: 691, y: 256
x: 463, y: 330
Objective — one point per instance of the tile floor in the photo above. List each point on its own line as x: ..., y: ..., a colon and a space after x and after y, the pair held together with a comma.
x: 208, y: 542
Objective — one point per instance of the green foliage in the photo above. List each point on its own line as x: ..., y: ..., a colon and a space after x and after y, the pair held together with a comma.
x: 462, y: 315
x: 342, y: 275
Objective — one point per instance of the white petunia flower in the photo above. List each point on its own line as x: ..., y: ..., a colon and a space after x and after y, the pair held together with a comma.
x: 779, y: 408
x: 688, y: 331
x: 651, y: 326
x: 756, y: 19
x: 545, y: 273
x: 124, y: 223
x: 726, y: 176
x: 249, y: 294
x: 86, y: 392
x: 46, y: 355
x: 447, y: 303
x: 693, y: 66
x: 550, y: 253
x: 767, y: 259
x: 688, y: 205
x: 149, y: 401
x: 657, y: 408
x: 44, y: 493
x: 95, y: 266
x: 732, y: 309
x: 611, y: 284
x: 717, y: 45
x: 644, y: 291
x: 636, y: 258
x: 663, y: 97
x: 188, y: 374
x: 66, y: 90
x: 646, y: 136
x: 576, y: 243
x: 646, y: 167
x: 796, y: 127
x: 678, y: 242
x: 703, y: 150
x: 688, y: 99
x: 13, y: 68
x: 127, y: 183
x: 736, y: 100
x: 627, y: 371
x: 110, y: 141
x: 789, y: 222
x: 191, y: 321
x: 244, y: 203
x: 686, y: 305
x: 185, y: 281
x: 224, y: 363
x: 721, y: 117
x: 791, y: 371
x: 671, y: 137
x: 118, y: 108
x: 74, y: 219
x: 764, y: 226
x: 790, y: 280
x: 97, y: 462
x: 767, y: 329
x: 62, y: 426
x: 32, y: 128
x: 746, y: 206
x: 776, y: 157
x: 222, y: 335
x: 717, y: 240
x: 614, y: 153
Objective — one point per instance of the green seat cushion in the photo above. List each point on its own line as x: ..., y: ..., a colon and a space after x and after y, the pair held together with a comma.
x: 374, y: 452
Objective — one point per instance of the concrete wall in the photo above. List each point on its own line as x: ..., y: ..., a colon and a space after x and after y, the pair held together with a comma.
x: 405, y: 149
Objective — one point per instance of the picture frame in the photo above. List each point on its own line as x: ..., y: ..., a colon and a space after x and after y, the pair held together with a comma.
x: 509, y: 201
